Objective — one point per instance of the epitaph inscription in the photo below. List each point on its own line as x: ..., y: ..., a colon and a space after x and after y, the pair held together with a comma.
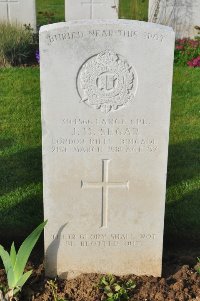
x: 105, y: 185
x: 107, y: 82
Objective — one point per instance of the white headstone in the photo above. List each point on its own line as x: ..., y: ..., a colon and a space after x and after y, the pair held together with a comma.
x: 91, y: 9
x: 182, y: 15
x: 106, y: 95
x: 18, y: 11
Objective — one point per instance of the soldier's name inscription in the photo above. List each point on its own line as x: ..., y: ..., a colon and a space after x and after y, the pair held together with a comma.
x: 105, y: 135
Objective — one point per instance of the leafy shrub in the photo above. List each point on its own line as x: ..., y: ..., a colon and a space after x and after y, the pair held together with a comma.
x: 187, y: 52
x: 17, y: 45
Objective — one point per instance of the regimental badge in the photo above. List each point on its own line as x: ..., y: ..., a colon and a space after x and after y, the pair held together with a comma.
x: 107, y: 82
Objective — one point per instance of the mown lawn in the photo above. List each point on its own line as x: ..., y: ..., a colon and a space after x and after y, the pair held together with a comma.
x: 183, y: 186
x: 134, y: 9
x: 20, y: 151
x: 21, y: 165
x: 50, y: 11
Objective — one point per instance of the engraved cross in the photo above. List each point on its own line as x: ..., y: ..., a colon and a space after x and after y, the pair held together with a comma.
x: 105, y: 185
x: 92, y: 3
x: 8, y: 2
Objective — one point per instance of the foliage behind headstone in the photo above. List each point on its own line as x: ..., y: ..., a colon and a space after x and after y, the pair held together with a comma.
x: 17, y: 45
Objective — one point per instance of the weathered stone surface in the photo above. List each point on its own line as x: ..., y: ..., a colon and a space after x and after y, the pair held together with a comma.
x: 106, y: 94
x: 18, y: 11
x: 91, y: 9
x: 182, y: 15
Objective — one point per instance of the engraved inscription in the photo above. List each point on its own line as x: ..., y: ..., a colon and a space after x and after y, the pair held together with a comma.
x: 92, y: 4
x: 107, y: 82
x: 105, y: 135
x: 105, y: 185
x: 131, y: 240
x: 8, y: 2
x: 106, y: 34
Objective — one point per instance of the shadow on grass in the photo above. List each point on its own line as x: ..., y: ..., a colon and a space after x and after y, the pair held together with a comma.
x: 5, y: 143
x: 182, y: 220
x: 20, y: 218
x: 21, y: 208
x: 20, y: 169
x: 184, y: 162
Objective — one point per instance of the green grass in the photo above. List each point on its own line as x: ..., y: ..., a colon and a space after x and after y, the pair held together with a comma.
x: 21, y: 165
x: 129, y: 9
x: 134, y: 9
x: 183, y: 186
x: 55, y: 7
x: 20, y: 151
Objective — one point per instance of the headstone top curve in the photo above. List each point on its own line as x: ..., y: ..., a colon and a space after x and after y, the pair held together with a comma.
x: 68, y: 24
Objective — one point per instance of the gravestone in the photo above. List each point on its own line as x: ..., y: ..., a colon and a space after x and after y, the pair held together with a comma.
x: 18, y: 11
x: 182, y: 15
x: 91, y: 9
x: 106, y: 95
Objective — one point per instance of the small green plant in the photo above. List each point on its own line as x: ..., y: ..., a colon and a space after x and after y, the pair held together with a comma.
x: 114, y: 290
x: 198, y: 265
x: 54, y: 289
x: 14, y: 264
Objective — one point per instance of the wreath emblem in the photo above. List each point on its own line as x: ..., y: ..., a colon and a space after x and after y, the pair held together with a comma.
x: 106, y: 82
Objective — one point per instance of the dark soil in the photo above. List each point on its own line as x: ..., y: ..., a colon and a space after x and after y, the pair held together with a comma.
x: 179, y: 282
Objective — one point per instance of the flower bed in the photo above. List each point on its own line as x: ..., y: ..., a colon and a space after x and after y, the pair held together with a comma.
x: 187, y: 52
